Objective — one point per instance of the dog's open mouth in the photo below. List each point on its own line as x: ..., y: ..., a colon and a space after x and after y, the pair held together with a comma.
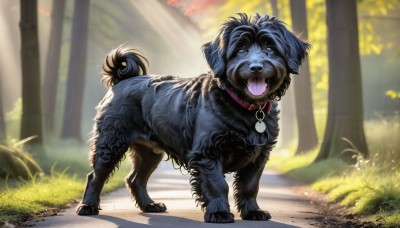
x: 257, y: 85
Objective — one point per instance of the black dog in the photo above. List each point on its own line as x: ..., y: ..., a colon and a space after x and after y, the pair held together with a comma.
x: 220, y: 122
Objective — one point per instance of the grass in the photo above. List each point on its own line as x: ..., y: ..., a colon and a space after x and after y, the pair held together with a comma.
x: 37, y: 195
x: 17, y: 163
x: 366, y: 192
x: 20, y: 200
x: 301, y: 166
x: 67, y: 154
x: 57, y: 190
x: 370, y: 188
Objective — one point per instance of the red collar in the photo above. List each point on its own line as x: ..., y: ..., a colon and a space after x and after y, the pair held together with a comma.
x: 250, y: 107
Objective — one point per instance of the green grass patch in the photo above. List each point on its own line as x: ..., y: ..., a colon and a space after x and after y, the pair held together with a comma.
x: 392, y: 220
x: 285, y: 161
x: 302, y: 167
x: 370, y: 188
x: 367, y: 192
x: 56, y: 190
x: 32, y: 197
x: 17, y: 163
x: 383, y: 139
x: 68, y: 154
x: 63, y: 183
x: 320, y: 170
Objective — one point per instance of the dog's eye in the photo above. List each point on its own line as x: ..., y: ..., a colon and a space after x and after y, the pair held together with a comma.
x: 269, y: 50
x: 241, y: 51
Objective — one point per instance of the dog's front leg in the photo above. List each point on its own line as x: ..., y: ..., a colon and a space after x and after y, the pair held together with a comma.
x: 209, y: 186
x: 246, y: 187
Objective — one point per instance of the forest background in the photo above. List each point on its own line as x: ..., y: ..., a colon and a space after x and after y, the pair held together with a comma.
x: 341, y: 124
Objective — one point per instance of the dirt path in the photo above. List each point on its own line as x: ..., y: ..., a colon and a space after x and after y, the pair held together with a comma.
x: 277, y: 194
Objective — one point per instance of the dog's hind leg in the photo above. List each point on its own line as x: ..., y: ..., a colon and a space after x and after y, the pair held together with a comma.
x: 104, y: 161
x: 145, y: 160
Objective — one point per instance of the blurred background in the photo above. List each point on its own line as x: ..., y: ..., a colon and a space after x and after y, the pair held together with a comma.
x: 74, y: 36
x: 170, y: 34
x: 50, y: 83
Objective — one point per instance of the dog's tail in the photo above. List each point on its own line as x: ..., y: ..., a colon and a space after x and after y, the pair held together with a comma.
x: 122, y: 63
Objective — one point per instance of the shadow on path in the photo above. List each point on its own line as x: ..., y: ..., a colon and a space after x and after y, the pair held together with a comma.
x: 164, y: 220
x: 277, y: 194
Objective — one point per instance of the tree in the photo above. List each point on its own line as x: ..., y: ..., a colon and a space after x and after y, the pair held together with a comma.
x: 287, y: 103
x: 3, y: 135
x: 345, y: 105
x: 76, y: 72
x: 52, y: 63
x: 307, y: 133
x: 31, y: 121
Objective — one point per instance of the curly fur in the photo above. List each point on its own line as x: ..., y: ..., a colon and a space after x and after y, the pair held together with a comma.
x: 195, y: 121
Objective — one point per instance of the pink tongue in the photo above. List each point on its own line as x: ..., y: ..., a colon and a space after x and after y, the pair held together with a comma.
x: 256, y: 86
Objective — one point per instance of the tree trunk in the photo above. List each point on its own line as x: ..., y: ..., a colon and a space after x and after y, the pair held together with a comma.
x: 345, y: 108
x: 287, y: 119
x: 76, y: 72
x: 274, y: 6
x: 3, y: 135
x: 52, y: 64
x: 31, y: 121
x: 287, y: 103
x: 307, y: 133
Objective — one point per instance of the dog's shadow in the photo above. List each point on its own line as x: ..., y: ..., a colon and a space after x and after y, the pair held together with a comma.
x: 165, y: 220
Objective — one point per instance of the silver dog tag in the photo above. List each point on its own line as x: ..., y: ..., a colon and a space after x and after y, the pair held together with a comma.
x: 260, y: 127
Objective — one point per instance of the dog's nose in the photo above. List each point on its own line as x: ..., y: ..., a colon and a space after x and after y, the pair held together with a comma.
x: 256, y: 67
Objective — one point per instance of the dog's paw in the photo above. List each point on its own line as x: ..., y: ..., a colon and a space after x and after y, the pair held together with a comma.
x: 257, y: 215
x: 219, y: 217
x: 83, y: 209
x: 155, y: 207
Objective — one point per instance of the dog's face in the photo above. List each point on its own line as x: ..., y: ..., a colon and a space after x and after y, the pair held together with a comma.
x: 255, y: 58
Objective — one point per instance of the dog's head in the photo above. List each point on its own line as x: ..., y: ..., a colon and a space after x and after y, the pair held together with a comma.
x: 255, y: 57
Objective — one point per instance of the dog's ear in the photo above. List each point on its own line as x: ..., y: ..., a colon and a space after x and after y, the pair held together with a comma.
x: 297, y: 50
x: 213, y: 51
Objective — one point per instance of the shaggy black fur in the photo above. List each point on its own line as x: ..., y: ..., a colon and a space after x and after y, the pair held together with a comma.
x: 195, y: 121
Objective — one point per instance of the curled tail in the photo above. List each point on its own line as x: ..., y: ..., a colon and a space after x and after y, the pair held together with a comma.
x: 122, y: 63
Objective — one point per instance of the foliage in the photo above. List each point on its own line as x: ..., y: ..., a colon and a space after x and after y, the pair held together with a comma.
x: 63, y: 182
x: 370, y: 187
x: 71, y: 157
x: 301, y: 166
x: 199, y: 11
x: 393, y: 94
x: 13, y: 119
x: 318, y: 59
x: 26, y: 199
x: 367, y: 191
x: 371, y: 41
x: 17, y: 163
x: 367, y: 187
x: 37, y: 195
x: 15, y: 113
x: 383, y: 140
x: 68, y: 154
